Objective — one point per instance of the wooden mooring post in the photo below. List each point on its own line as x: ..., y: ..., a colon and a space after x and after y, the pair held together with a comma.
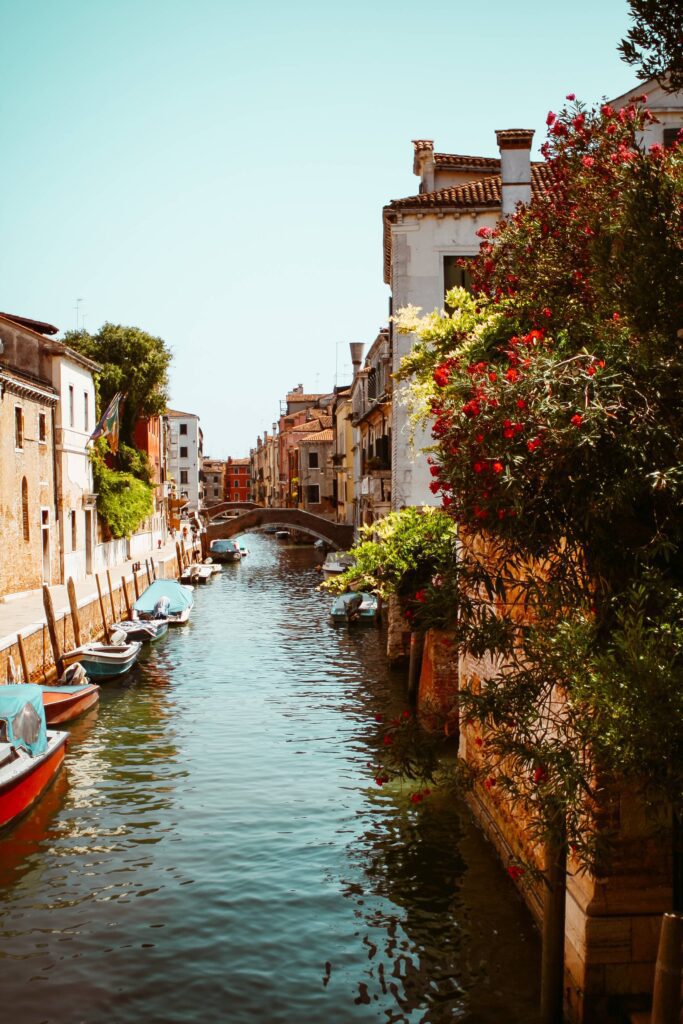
x: 666, y: 996
x: 136, y: 585
x: 149, y: 575
x: 114, y: 616
x: 52, y: 629
x: 23, y: 658
x: 126, y: 598
x: 73, y: 605
x: 179, y: 558
x: 102, y: 611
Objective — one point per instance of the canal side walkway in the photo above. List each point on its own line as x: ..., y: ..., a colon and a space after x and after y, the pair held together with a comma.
x: 25, y: 614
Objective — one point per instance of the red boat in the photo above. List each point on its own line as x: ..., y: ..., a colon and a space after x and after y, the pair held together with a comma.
x: 64, y: 703
x: 30, y: 756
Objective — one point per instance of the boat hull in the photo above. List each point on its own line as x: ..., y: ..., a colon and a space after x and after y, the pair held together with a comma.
x: 106, y: 663
x: 63, y: 705
x: 23, y: 782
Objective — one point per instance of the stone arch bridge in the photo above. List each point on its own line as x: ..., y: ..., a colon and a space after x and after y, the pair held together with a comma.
x: 255, y: 517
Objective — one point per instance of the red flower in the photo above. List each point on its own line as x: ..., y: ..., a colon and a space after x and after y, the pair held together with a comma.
x: 478, y: 467
x: 484, y: 233
x: 490, y: 783
x: 479, y: 741
x: 493, y: 377
x: 406, y: 714
x: 571, y: 96
x: 551, y: 119
x: 576, y: 420
x: 441, y: 375
x: 446, y: 502
x: 379, y: 780
x: 497, y: 467
x: 388, y: 741
x: 515, y: 872
x: 606, y: 110
x: 547, y: 312
x: 587, y: 161
x: 534, y: 444
x: 415, y: 798
x: 512, y: 375
x: 540, y: 775
x: 521, y: 404
x: 434, y: 486
x: 379, y: 718
x: 590, y: 371
x: 434, y: 470
x: 616, y: 317
x: 420, y: 597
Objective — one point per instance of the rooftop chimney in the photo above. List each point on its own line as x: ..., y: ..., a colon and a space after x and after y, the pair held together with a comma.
x: 274, y: 429
x: 423, y: 163
x: 356, y: 356
x: 515, y: 167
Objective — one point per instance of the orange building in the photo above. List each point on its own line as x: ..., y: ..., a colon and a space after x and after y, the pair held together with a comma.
x: 238, y: 480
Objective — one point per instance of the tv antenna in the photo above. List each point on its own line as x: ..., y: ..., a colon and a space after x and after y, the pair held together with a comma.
x: 77, y: 308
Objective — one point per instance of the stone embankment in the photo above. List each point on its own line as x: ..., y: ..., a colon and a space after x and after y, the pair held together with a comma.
x: 25, y: 616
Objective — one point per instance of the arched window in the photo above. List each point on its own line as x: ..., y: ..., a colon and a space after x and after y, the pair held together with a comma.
x: 24, y: 509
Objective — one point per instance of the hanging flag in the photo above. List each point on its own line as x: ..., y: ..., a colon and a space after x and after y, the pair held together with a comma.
x: 109, y: 423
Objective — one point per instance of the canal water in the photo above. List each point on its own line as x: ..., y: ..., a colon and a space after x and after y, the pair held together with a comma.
x: 217, y: 850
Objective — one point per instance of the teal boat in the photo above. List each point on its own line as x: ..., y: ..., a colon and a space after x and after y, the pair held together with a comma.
x: 165, y: 599
x: 355, y: 606
x: 104, y: 661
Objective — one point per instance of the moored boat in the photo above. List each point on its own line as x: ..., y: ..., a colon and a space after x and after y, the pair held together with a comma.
x: 177, y: 600
x: 336, y: 562
x: 224, y: 551
x: 282, y: 534
x: 244, y: 550
x: 64, y: 703
x: 104, y: 661
x: 147, y: 631
x: 30, y: 756
x: 356, y: 606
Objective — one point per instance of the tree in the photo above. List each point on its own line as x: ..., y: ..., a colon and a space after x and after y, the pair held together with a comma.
x: 654, y: 44
x: 133, y: 362
x: 558, y: 430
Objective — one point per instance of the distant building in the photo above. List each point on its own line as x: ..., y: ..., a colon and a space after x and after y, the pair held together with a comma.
x: 66, y: 525
x: 342, y: 456
x: 238, y: 479
x: 371, y: 402
x: 214, y: 481
x: 185, y: 454
x: 148, y: 438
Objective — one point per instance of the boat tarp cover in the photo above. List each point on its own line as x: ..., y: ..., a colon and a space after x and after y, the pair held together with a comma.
x: 223, y: 545
x: 23, y: 716
x: 179, y: 597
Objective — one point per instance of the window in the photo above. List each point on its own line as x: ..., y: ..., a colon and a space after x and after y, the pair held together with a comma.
x: 86, y: 412
x: 313, y: 494
x: 372, y: 385
x: 670, y: 137
x: 183, y: 428
x: 237, y: 483
x: 24, y: 509
x: 18, y: 427
x: 183, y: 453
x: 455, y: 276
x: 215, y: 492
x: 42, y: 428
x: 74, y: 536
x: 183, y: 476
x: 71, y: 405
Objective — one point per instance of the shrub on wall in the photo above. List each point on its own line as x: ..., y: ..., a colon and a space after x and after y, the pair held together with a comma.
x: 123, y: 501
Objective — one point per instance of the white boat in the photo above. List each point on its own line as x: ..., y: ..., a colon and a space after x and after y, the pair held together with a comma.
x: 336, y: 562
x: 104, y: 661
x: 165, y: 599
x: 244, y: 550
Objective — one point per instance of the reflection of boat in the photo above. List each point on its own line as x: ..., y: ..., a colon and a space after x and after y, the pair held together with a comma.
x: 282, y: 534
x: 270, y: 529
x: 177, y: 600
x: 244, y: 550
x: 30, y: 756
x: 104, y: 661
x: 224, y: 551
x: 354, y: 607
x: 337, y: 561
x: 64, y: 703
x: 147, y: 631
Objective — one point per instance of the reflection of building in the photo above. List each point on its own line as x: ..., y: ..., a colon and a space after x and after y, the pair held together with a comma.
x: 371, y: 417
x: 237, y: 479
x: 214, y: 481
x: 65, y: 525
x: 185, y: 444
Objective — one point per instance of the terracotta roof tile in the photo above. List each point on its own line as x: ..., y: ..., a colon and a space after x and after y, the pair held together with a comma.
x: 457, y: 161
x: 295, y: 396
x: 307, y: 427
x: 321, y: 437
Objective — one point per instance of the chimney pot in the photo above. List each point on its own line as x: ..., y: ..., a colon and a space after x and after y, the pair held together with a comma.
x: 356, y: 356
x: 515, y: 167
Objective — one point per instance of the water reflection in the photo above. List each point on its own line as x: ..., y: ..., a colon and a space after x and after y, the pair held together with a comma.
x: 217, y: 847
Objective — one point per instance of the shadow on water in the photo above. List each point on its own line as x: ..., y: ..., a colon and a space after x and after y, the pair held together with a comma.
x: 217, y: 847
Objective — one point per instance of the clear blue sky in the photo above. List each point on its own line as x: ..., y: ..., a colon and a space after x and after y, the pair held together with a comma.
x: 214, y: 172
